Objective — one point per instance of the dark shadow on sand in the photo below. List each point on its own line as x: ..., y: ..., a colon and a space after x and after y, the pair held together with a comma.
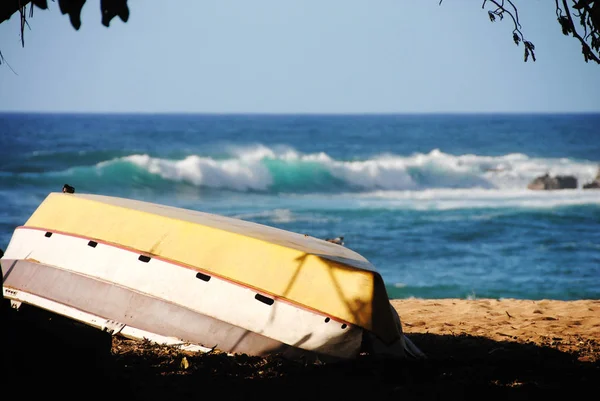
x: 57, y: 358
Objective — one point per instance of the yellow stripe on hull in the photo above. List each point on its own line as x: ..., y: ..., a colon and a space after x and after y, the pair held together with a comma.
x: 322, y: 276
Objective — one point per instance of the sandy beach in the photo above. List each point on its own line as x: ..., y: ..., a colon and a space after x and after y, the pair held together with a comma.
x: 476, y: 349
x: 565, y: 326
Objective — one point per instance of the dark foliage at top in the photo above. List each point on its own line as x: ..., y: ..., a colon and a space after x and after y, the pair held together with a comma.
x: 577, y: 18
x: 586, y: 12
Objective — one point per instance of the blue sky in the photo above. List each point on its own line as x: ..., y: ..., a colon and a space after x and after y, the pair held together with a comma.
x: 295, y: 56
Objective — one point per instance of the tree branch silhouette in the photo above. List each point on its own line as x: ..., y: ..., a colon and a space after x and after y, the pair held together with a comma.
x: 587, y: 12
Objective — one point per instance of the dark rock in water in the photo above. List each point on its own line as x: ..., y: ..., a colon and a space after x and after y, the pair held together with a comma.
x: 566, y: 182
x: 593, y: 184
x: 546, y: 182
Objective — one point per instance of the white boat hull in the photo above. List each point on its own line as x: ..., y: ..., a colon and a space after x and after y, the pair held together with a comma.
x: 130, y: 294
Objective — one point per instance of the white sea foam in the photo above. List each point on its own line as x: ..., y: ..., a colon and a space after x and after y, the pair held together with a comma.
x: 236, y: 174
x: 445, y: 199
x: 285, y: 216
x: 429, y: 174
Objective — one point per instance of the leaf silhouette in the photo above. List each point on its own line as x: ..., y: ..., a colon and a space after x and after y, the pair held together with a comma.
x: 73, y: 8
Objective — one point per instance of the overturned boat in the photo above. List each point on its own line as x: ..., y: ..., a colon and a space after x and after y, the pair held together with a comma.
x: 198, y: 281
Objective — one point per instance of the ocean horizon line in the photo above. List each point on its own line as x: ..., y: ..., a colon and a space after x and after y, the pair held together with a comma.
x: 302, y: 114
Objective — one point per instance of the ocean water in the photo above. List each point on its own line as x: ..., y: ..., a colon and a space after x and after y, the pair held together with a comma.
x: 437, y: 203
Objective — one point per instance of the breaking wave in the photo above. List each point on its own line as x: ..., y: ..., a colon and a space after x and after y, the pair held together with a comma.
x: 284, y: 170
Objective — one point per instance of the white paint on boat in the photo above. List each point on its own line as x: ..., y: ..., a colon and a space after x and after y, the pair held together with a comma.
x: 218, y: 298
x: 18, y: 297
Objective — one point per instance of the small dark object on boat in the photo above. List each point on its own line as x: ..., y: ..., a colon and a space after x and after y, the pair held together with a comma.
x: 337, y: 240
x: 68, y: 189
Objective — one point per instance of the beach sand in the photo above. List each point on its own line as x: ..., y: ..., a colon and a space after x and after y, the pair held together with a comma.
x: 565, y: 326
x: 476, y: 349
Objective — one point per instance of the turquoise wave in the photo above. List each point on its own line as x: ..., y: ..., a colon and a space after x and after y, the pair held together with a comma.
x: 265, y: 170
